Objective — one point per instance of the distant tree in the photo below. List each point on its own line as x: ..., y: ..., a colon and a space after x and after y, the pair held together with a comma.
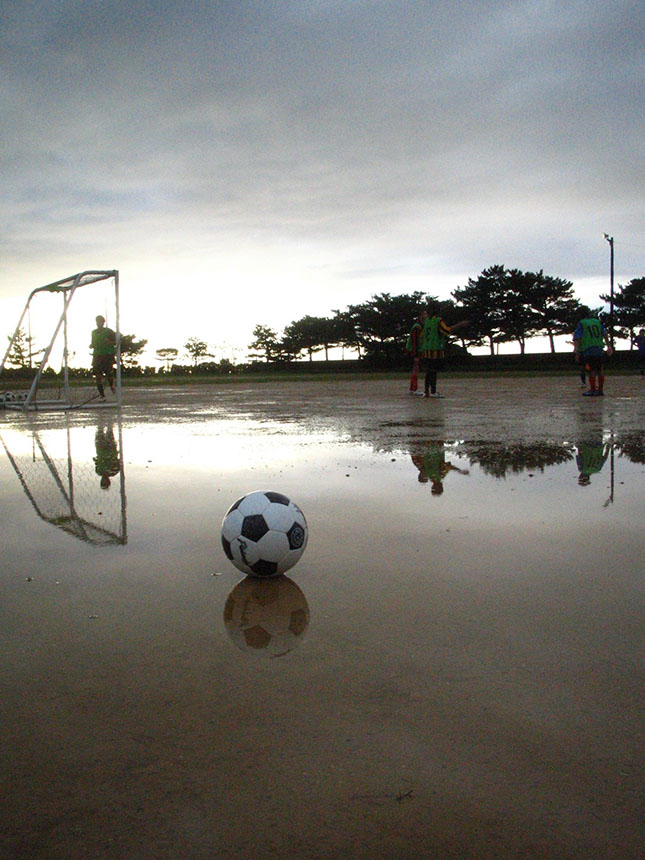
x: 305, y: 335
x: 197, y: 349
x: 330, y: 334
x: 167, y: 354
x: 287, y: 348
x: 131, y: 350
x: 482, y: 303
x: 345, y: 334
x: 382, y: 324
x: 519, y: 321
x: 505, y: 305
x: 265, y: 344
x: 629, y: 308
x: 22, y: 352
x: 553, y: 300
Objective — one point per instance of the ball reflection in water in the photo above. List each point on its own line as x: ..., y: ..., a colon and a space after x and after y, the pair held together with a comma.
x: 267, y: 618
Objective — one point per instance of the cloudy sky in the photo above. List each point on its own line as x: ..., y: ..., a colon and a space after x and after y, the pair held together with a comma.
x: 252, y: 162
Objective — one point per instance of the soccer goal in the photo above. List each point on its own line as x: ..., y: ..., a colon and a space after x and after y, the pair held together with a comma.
x: 46, y: 365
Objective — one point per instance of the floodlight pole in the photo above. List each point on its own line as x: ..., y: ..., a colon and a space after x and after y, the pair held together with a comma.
x: 610, y: 239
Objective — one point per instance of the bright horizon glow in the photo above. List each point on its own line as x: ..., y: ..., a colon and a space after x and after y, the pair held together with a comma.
x: 94, y: 299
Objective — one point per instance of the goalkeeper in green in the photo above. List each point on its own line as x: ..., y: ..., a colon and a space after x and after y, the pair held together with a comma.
x: 103, y: 346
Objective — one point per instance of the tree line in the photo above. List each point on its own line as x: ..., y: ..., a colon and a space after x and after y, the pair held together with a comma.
x: 501, y: 305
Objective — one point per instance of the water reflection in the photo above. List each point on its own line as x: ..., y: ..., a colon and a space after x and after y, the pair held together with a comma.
x: 107, y: 461
x: 266, y: 618
x: 593, y: 452
x: 590, y: 451
x: 499, y: 459
x: 430, y: 460
x: 591, y: 456
x: 632, y: 446
x: 59, y: 477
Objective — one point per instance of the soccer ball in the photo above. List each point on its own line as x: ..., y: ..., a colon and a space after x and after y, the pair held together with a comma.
x: 264, y: 534
x: 266, y: 619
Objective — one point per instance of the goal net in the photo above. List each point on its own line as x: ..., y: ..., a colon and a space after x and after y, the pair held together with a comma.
x: 73, y: 478
x: 47, y: 364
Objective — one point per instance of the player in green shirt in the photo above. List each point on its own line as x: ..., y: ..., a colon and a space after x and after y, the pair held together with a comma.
x: 433, y: 346
x: 103, y: 346
x: 588, y: 341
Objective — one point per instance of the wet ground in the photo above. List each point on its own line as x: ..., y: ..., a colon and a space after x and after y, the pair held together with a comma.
x: 452, y: 670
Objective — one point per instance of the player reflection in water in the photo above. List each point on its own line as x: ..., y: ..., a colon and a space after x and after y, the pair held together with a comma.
x: 106, y: 462
x: 433, y: 466
x: 591, y: 457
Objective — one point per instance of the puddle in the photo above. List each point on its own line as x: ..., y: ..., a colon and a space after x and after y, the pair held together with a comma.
x: 464, y: 623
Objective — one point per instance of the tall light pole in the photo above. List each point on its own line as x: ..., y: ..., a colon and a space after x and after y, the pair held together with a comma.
x: 610, y: 239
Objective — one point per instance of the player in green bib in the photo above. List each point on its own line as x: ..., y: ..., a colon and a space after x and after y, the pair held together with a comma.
x: 103, y: 346
x: 589, y: 340
x: 433, y: 347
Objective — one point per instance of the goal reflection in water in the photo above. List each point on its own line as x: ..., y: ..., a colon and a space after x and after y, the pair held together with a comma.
x: 74, y: 478
x: 266, y: 617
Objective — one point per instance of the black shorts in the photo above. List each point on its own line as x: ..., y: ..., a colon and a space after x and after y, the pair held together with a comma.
x: 435, y: 363
x: 594, y: 360
x: 103, y: 364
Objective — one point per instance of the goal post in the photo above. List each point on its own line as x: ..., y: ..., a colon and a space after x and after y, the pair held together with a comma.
x: 61, y: 314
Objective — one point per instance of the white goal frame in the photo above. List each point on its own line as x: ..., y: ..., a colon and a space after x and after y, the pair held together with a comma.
x: 66, y: 287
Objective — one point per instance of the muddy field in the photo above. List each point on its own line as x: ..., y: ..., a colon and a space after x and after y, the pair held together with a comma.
x: 452, y: 670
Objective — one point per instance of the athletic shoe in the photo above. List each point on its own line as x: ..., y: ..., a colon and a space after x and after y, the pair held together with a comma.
x: 600, y: 393
x: 101, y: 399
x: 590, y: 393
x: 419, y: 394
x: 437, y: 395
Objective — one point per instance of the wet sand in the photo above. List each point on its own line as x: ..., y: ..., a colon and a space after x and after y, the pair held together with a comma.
x: 470, y: 681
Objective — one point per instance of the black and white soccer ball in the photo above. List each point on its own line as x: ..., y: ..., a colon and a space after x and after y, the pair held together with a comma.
x: 266, y: 618
x: 14, y: 396
x: 264, y: 533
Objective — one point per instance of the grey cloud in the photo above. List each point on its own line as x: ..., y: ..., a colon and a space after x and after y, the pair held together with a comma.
x: 331, y: 121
